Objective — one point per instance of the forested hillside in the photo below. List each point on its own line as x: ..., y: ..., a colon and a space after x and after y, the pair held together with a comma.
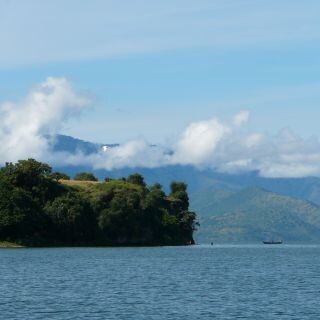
x: 41, y: 207
x: 253, y: 215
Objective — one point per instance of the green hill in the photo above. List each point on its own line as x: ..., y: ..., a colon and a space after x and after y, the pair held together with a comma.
x: 37, y: 208
x: 253, y: 215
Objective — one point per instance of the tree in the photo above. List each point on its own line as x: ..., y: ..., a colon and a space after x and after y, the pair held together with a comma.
x: 136, y: 178
x: 155, y: 206
x: 123, y: 220
x: 85, y: 176
x: 179, y: 196
x: 155, y: 198
x: 179, y: 208
x: 57, y: 176
x: 26, y: 173
x: 156, y: 186
x: 20, y: 216
x: 177, y: 186
x: 72, y: 218
x: 32, y: 176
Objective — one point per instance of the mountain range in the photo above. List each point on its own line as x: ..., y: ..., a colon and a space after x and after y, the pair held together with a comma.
x: 207, y: 179
x: 243, y: 207
x: 253, y: 215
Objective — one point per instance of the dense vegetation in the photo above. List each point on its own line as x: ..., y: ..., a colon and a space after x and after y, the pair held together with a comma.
x: 85, y: 176
x: 38, y: 208
x: 253, y: 215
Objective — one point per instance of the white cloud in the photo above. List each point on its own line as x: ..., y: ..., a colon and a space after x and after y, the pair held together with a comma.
x: 24, y: 124
x: 241, y: 118
x: 199, y: 141
x: 205, y: 144
x: 229, y: 148
x: 137, y: 153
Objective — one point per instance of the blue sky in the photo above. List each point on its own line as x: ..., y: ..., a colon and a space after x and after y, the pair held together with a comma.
x: 153, y: 67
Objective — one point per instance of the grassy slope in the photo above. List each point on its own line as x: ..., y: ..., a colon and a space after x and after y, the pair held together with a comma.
x: 7, y: 244
x: 254, y: 214
x: 94, y: 188
x: 77, y: 183
x: 205, y: 200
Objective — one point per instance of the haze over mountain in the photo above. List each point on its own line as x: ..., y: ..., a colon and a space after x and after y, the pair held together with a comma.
x: 253, y: 215
x: 231, y: 207
x: 63, y: 143
x: 214, y: 144
x: 198, y: 180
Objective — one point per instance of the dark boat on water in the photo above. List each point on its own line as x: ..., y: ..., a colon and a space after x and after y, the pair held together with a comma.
x: 272, y: 242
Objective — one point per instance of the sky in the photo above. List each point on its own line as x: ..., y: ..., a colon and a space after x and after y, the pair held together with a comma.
x: 149, y: 70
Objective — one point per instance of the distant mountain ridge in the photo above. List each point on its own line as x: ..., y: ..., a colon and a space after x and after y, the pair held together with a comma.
x: 241, y: 207
x: 198, y: 180
x: 253, y: 215
x: 65, y: 143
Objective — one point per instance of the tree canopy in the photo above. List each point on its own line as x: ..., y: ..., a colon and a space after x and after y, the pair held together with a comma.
x: 85, y: 176
x: 40, y: 207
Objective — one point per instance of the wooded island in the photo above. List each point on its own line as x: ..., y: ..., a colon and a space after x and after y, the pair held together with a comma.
x: 39, y: 207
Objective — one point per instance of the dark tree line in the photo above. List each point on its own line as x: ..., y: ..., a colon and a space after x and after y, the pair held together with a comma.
x: 36, y: 208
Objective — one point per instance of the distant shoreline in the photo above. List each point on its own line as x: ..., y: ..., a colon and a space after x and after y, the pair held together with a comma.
x: 13, y: 245
x: 7, y: 244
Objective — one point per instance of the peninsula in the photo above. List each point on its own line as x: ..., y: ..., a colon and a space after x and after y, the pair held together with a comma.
x: 39, y: 207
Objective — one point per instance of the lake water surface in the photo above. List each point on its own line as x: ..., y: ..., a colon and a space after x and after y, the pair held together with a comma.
x: 197, y: 282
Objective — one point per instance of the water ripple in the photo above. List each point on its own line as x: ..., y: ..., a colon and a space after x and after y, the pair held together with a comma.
x: 200, y: 282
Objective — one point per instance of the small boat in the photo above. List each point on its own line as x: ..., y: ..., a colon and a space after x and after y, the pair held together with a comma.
x: 273, y: 242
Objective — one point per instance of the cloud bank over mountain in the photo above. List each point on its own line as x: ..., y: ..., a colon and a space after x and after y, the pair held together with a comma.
x: 212, y: 143
x: 43, y: 111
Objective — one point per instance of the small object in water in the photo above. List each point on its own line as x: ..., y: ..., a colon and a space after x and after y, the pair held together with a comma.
x: 212, y: 243
x: 273, y: 242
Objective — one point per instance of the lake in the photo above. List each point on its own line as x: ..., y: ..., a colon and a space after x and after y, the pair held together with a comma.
x: 196, y: 282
